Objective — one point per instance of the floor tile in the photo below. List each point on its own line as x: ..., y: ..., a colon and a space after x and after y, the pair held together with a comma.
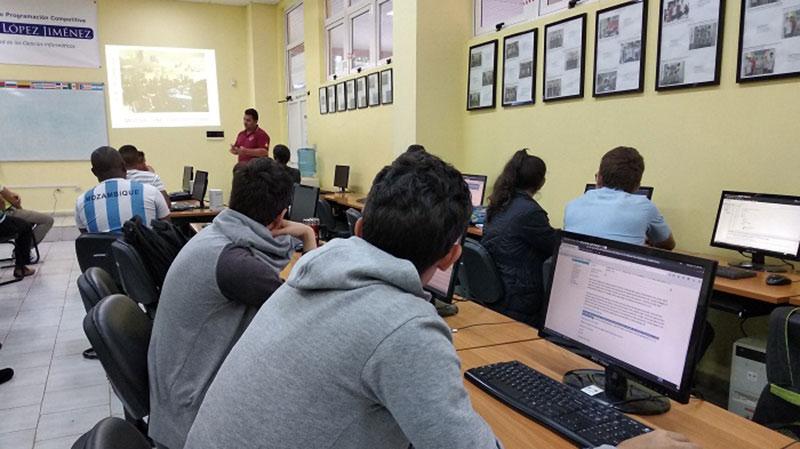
x: 58, y: 443
x: 18, y: 440
x: 75, y: 398
x: 22, y: 418
x: 14, y: 396
x: 72, y: 422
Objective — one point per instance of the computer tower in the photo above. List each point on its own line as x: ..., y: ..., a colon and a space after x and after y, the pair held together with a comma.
x: 748, y: 375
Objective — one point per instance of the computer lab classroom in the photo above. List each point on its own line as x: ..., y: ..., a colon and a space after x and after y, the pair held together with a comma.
x: 518, y: 224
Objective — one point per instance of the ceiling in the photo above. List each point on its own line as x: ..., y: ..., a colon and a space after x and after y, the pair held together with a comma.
x: 234, y: 2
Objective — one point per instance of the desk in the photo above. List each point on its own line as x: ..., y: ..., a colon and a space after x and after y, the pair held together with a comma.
x: 704, y: 423
x: 494, y: 328
x: 194, y: 214
x: 795, y: 301
x: 755, y: 288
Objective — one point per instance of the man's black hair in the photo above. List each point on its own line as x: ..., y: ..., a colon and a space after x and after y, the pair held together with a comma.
x: 261, y: 190
x: 281, y: 154
x: 415, y: 147
x: 252, y: 113
x: 622, y: 169
x: 130, y: 155
x: 417, y: 209
x: 107, y: 163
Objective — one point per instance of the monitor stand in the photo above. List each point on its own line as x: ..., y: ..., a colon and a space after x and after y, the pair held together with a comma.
x: 757, y: 262
x: 619, y: 391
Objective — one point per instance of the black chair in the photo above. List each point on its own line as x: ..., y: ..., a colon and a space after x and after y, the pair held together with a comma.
x: 352, y: 217
x: 94, y: 250
x: 330, y: 227
x: 112, y: 433
x: 779, y: 405
x: 94, y: 285
x: 136, y: 280
x: 120, y: 333
x: 478, y: 274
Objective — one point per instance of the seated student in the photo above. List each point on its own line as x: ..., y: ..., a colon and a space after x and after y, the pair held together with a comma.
x: 15, y: 226
x: 107, y: 206
x: 613, y: 210
x: 42, y: 223
x: 212, y: 291
x: 282, y: 154
x: 349, y: 353
x: 519, y: 237
x: 138, y: 170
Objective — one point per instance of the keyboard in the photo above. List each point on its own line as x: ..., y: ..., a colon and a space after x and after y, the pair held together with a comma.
x: 564, y: 409
x: 734, y: 273
x: 180, y: 207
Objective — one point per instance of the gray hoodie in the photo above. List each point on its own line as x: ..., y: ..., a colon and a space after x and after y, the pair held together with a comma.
x: 347, y: 354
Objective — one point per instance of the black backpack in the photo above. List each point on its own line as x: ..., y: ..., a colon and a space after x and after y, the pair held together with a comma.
x: 157, y: 247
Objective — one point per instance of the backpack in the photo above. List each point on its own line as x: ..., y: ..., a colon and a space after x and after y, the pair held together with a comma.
x: 157, y: 247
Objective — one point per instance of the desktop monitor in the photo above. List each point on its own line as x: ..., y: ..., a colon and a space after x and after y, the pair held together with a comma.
x: 200, y: 185
x: 443, y: 283
x: 638, y: 311
x: 341, y: 177
x: 643, y: 190
x: 188, y: 174
x: 304, y: 202
x: 760, y: 224
x: 477, y: 188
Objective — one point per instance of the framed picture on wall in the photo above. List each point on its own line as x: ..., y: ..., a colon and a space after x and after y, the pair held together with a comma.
x: 331, y: 99
x: 482, y: 76
x: 769, y: 40
x: 564, y: 58
x: 519, y: 68
x: 620, y: 41
x: 341, y: 98
x: 689, y: 43
x: 361, y: 92
x: 323, y: 100
x: 373, y: 89
x: 350, y: 88
x: 387, y: 87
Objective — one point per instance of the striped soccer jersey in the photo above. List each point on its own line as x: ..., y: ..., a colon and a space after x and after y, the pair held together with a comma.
x: 107, y: 206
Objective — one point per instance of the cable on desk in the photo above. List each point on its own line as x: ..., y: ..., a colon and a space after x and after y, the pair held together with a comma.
x: 790, y: 444
x: 456, y: 329
x: 526, y: 340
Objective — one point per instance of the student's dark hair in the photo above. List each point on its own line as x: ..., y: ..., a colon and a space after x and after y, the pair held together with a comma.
x: 417, y: 208
x: 281, y: 154
x: 261, y: 190
x: 252, y: 113
x: 107, y: 163
x: 130, y: 155
x: 415, y: 147
x: 622, y: 169
x: 522, y: 172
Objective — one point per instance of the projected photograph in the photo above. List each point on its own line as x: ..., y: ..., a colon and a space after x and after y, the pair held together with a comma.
x: 162, y: 87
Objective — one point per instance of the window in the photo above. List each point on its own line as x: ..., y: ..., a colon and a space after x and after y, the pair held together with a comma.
x: 358, y: 35
x: 297, y: 69
x: 489, y: 13
x: 295, y: 51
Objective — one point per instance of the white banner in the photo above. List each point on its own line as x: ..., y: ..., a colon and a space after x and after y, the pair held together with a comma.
x: 56, y: 33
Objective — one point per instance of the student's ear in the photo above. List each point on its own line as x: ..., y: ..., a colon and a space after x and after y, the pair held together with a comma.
x: 450, y: 258
x: 598, y: 179
x: 278, y: 221
x: 359, y: 227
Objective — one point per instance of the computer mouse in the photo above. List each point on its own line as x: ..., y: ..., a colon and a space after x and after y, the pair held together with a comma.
x: 778, y: 279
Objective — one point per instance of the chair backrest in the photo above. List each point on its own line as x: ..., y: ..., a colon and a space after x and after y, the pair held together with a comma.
x: 779, y: 404
x: 352, y: 217
x: 120, y: 334
x: 136, y: 280
x: 94, y: 285
x: 478, y: 274
x: 325, y: 215
x: 112, y: 433
x: 94, y: 250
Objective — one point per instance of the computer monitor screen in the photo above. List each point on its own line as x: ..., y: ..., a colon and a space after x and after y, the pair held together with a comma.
x: 643, y: 190
x: 477, y: 188
x: 442, y: 284
x: 758, y: 223
x: 304, y: 202
x: 632, y: 307
x: 188, y: 173
x: 342, y: 176
x: 200, y: 185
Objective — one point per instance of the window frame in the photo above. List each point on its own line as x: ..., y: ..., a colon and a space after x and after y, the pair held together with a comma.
x: 352, y: 9
x: 295, y: 93
x: 540, y: 9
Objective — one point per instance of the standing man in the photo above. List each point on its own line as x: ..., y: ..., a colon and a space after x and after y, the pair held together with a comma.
x: 253, y: 142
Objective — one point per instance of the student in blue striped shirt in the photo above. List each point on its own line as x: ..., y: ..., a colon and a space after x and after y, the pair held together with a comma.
x: 107, y: 206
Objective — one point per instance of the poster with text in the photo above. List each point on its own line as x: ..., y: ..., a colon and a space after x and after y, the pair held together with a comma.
x: 689, y: 44
x: 482, y: 73
x: 769, y: 40
x: 565, y: 46
x: 619, y: 49
x: 52, y: 33
x: 519, y: 68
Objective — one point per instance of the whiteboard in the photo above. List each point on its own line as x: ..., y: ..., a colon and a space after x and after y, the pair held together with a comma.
x: 51, y: 124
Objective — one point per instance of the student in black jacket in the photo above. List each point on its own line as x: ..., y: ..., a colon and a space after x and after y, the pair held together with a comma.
x: 519, y: 237
x: 282, y: 155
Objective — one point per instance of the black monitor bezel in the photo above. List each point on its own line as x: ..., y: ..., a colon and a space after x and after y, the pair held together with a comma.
x: 346, y: 176
x: 683, y: 391
x: 745, y: 249
x: 451, y: 289
x: 485, y: 180
x: 649, y: 190
x: 316, y: 200
x: 194, y: 186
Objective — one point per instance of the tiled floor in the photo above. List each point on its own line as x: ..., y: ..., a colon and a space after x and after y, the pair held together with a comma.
x: 55, y: 395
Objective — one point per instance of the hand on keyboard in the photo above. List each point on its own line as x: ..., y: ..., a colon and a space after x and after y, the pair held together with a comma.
x: 659, y: 439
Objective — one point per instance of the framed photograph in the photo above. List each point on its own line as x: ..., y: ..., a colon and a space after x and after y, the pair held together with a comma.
x: 620, y: 42
x: 350, y: 88
x: 387, y: 87
x: 341, y: 98
x: 564, y: 58
x: 769, y: 40
x: 689, y: 43
x: 331, y: 99
x: 373, y: 89
x: 482, y: 76
x: 323, y: 100
x: 519, y: 68
x: 361, y: 92
x: 551, y: 6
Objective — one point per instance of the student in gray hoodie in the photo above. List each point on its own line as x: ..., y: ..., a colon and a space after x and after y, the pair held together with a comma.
x: 349, y: 353
x: 213, y: 289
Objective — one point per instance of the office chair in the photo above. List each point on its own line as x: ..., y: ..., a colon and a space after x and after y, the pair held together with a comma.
x: 94, y: 250
x: 120, y: 333
x: 330, y: 228
x: 352, y: 217
x: 112, y: 433
x: 94, y: 285
x: 478, y: 274
x: 136, y: 280
x: 779, y: 405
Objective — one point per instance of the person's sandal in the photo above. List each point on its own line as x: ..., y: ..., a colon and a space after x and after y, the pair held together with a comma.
x: 23, y: 272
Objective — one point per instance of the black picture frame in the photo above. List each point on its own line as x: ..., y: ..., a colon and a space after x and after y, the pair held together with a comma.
x: 718, y: 57
x: 493, y: 104
x: 390, y: 74
x: 377, y: 85
x: 582, y: 61
x: 534, y: 58
x: 341, y: 97
x: 323, y: 100
x: 361, y: 83
x: 350, y: 92
x: 642, y: 48
x: 331, y: 99
x: 741, y: 79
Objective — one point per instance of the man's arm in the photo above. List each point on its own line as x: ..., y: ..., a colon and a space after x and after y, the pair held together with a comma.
x: 11, y: 197
x: 166, y: 198
x: 668, y: 244
x: 162, y: 210
x: 659, y: 233
x: 254, y: 152
x: 243, y: 278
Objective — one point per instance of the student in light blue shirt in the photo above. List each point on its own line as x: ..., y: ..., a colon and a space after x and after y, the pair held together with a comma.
x: 613, y: 211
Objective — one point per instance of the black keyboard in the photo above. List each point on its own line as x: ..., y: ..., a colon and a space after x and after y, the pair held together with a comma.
x: 564, y: 409
x: 734, y: 273
x: 181, y: 207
